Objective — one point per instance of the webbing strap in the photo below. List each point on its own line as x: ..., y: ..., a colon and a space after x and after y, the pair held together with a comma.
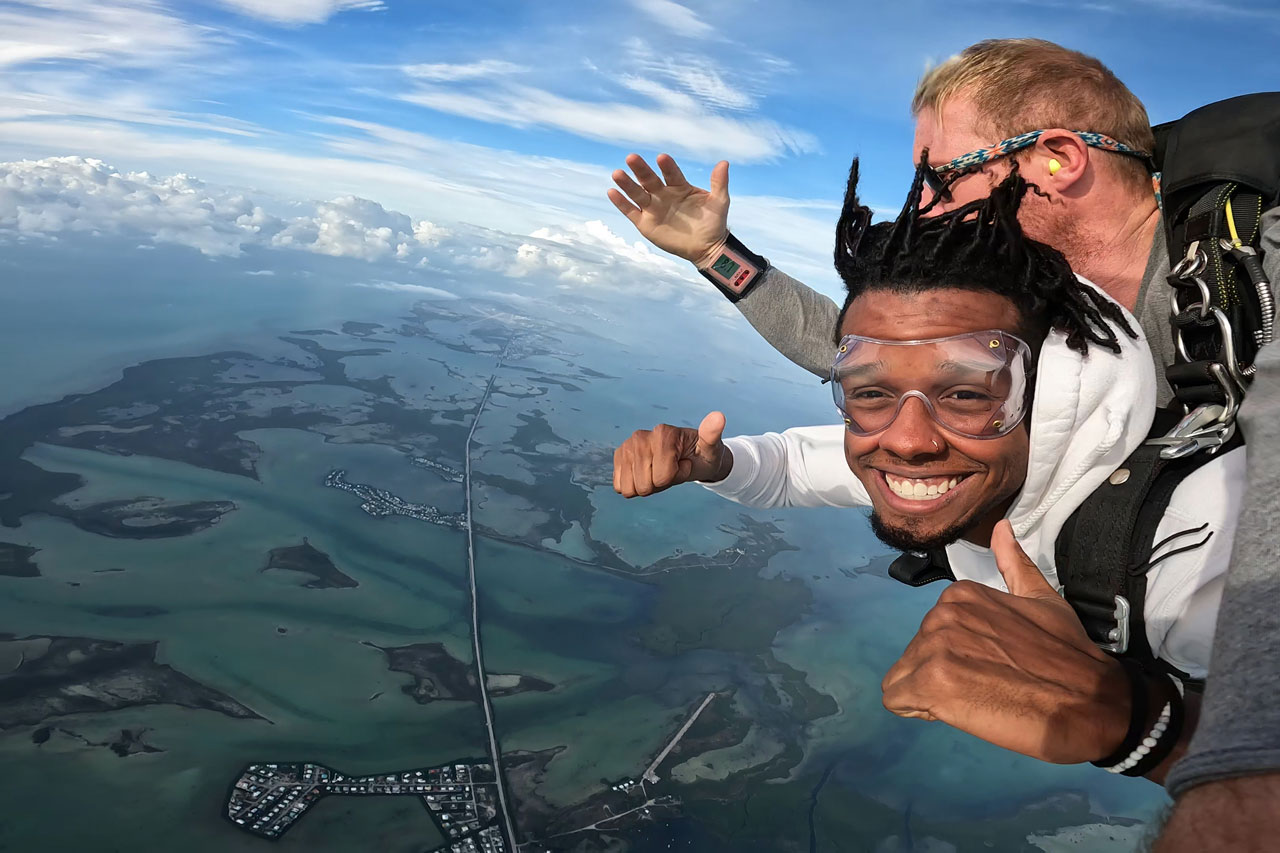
x: 1108, y: 544
x: 1095, y: 551
x: 915, y: 569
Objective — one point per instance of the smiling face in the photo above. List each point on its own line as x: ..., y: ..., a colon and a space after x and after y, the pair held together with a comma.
x: 930, y: 486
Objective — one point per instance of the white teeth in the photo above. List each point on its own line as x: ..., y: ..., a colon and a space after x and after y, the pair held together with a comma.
x: 918, y: 490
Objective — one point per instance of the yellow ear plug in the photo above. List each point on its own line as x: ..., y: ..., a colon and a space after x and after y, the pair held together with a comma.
x: 1054, y: 166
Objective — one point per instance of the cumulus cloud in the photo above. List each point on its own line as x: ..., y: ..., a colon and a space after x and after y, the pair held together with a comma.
x: 46, y: 199
x: 299, y: 11
x: 590, y: 258
x: 351, y: 227
x: 75, y: 194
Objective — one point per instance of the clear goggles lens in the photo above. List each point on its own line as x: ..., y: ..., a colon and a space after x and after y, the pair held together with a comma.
x: 974, y: 385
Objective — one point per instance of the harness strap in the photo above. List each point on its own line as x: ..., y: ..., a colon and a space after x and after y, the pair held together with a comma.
x: 918, y: 569
x: 1107, y: 546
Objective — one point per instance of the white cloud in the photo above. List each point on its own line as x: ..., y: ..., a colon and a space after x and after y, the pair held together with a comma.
x: 675, y: 17
x: 417, y: 289
x: 704, y: 80
x: 435, y: 179
x: 441, y: 72
x: 704, y: 77
x: 74, y: 194
x: 50, y: 198
x: 351, y: 227
x: 675, y: 124
x: 129, y: 33
x: 299, y: 11
x: 46, y: 94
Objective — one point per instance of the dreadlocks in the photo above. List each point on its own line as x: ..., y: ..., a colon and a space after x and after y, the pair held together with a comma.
x: 979, y: 246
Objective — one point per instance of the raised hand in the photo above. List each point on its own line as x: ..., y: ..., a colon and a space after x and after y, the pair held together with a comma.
x: 651, y: 461
x: 1014, y: 668
x: 675, y: 216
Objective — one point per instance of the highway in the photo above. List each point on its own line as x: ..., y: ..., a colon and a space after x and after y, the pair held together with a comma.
x: 495, y: 754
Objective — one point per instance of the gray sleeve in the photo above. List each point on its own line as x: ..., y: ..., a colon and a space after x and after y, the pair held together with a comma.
x: 796, y: 320
x: 1239, y: 730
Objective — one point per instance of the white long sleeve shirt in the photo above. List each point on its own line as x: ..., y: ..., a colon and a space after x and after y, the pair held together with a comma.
x: 805, y: 466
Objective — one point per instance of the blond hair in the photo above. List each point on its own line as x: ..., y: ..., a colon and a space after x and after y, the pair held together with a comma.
x: 1018, y: 85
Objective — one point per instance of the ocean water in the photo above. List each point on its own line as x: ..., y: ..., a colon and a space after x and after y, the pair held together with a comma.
x: 304, y: 659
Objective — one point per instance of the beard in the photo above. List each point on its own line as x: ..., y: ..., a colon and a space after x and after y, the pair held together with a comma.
x: 905, y: 539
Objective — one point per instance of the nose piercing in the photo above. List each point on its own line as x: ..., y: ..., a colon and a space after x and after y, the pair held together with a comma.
x: 936, y: 446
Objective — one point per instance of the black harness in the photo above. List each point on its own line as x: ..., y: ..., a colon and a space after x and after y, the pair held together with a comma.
x: 1220, y: 172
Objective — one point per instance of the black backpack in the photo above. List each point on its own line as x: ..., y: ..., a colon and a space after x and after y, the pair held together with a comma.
x: 1220, y: 171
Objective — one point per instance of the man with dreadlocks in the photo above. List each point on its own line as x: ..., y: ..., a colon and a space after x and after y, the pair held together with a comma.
x: 986, y: 391
x: 1098, y: 209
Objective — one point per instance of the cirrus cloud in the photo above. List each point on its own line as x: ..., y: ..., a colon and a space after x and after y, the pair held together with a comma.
x: 299, y: 11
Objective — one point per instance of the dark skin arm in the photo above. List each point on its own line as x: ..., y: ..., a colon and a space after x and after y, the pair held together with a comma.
x: 652, y: 461
x: 1018, y: 670
x: 1240, y: 814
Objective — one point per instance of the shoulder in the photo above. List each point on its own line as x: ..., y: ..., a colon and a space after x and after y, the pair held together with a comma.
x: 1271, y: 242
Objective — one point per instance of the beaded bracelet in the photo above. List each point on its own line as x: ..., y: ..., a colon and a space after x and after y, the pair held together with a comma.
x: 1144, y: 753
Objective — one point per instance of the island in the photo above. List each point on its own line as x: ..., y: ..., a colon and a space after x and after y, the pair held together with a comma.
x: 310, y: 560
x: 438, y: 675
x: 16, y: 562
x: 148, y: 517
x: 268, y: 799
x: 58, y: 676
x: 128, y: 742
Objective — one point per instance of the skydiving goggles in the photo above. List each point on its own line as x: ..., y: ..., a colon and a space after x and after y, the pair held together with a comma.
x: 940, y: 178
x: 975, y: 385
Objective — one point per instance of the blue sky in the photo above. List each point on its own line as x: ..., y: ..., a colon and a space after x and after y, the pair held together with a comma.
x: 512, y: 114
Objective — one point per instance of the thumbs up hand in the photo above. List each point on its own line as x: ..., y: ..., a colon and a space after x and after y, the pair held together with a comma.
x: 1014, y: 668
x: 1021, y: 575
x: 651, y: 461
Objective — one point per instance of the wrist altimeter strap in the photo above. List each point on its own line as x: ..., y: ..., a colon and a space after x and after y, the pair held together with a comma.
x: 736, y: 270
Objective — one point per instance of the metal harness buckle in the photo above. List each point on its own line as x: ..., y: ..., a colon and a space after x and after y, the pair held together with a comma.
x: 1207, y: 427
x: 1119, y: 635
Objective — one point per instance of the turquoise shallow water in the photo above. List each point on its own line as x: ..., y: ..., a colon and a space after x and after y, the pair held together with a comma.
x: 328, y: 694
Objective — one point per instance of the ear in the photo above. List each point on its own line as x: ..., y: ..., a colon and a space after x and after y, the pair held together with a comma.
x: 1071, y: 156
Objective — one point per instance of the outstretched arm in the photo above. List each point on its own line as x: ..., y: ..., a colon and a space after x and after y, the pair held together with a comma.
x: 692, y: 223
x: 804, y: 466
